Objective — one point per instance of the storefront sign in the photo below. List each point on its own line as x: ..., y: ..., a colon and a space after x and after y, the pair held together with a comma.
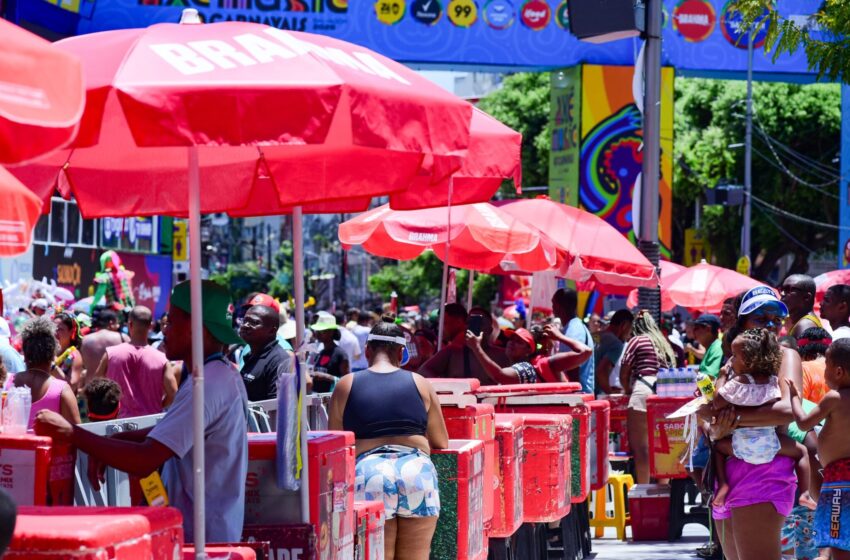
x: 565, y: 119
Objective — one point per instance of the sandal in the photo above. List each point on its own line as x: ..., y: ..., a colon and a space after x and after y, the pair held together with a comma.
x: 709, y: 550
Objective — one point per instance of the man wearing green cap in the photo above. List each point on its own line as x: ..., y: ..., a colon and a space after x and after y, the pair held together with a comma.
x: 169, y: 443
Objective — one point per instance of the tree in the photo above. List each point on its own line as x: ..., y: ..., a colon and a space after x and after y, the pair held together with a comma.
x: 796, y: 134
x: 522, y: 103
x: 825, y: 36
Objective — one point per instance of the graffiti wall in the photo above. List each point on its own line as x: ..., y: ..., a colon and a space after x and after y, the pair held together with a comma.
x: 611, y: 132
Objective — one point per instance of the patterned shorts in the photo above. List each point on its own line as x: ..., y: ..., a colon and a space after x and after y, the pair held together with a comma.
x: 404, y: 478
x: 798, y: 534
x: 832, y: 518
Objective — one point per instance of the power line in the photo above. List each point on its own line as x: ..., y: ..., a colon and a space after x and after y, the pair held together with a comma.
x: 770, y: 162
x: 795, y: 217
x: 790, y: 173
x: 783, y: 230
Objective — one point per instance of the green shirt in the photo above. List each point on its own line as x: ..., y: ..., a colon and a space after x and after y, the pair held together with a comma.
x: 713, y: 359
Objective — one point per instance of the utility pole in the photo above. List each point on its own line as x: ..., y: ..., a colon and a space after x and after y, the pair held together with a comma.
x: 748, y: 155
x: 650, y: 298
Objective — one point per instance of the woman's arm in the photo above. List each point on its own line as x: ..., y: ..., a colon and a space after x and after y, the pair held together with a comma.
x: 68, y: 405
x: 339, y: 397
x: 76, y: 380
x: 565, y: 361
x: 626, y: 368
x: 437, y: 433
x: 496, y: 372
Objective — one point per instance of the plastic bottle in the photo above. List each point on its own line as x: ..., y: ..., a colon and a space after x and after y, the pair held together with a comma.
x: 16, y: 413
x: 705, y: 386
x: 662, y: 383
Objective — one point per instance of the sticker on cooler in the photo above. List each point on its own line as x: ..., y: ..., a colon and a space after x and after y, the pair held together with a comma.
x: 17, y: 468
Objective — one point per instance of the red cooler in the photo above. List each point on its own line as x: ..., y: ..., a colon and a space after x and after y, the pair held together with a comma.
x: 331, y: 463
x: 288, y: 542
x: 460, y: 529
x: 649, y: 506
x: 223, y: 553
x: 35, y: 472
x: 619, y: 413
x: 507, y: 507
x: 545, y: 469
x: 476, y: 421
x: 552, y: 398
x: 369, y: 542
x: 666, y: 437
x: 95, y: 533
x: 599, y: 428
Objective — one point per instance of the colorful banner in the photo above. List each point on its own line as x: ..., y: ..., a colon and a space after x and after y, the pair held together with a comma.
x: 565, y: 122
x: 151, y: 280
x: 610, y: 157
x: 71, y: 268
x: 699, y: 35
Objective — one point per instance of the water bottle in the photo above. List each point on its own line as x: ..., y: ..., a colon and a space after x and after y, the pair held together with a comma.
x: 662, y: 384
x: 16, y: 412
x: 683, y: 383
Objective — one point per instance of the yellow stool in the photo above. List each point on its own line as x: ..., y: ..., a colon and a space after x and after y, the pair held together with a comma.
x: 619, y: 484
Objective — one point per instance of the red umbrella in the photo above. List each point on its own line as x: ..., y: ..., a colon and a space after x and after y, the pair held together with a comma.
x: 594, y: 251
x: 828, y: 279
x: 41, y: 96
x: 704, y: 287
x: 668, y: 270
x: 480, y: 237
x: 18, y: 215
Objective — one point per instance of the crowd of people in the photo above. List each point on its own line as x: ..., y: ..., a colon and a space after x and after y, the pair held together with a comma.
x: 772, y: 450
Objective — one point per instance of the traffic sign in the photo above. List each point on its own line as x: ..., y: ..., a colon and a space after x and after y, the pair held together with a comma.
x: 744, y: 265
x: 180, y: 242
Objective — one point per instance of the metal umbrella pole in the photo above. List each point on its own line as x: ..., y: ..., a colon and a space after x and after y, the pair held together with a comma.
x: 445, y: 271
x: 298, y: 280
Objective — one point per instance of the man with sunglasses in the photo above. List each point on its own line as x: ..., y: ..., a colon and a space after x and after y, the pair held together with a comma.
x: 798, y: 294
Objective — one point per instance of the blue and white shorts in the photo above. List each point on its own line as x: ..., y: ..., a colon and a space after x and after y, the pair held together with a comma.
x: 404, y: 478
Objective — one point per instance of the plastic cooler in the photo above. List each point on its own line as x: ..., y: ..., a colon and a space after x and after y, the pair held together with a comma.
x: 457, y: 392
x: 649, y: 506
x: 600, y: 420
x: 36, y: 472
x: 286, y: 542
x: 369, y: 535
x: 97, y: 533
x: 545, y: 468
x: 619, y: 414
x: 460, y: 528
x: 477, y: 421
x: 507, y: 506
x: 331, y: 465
x: 666, y: 437
x: 552, y: 398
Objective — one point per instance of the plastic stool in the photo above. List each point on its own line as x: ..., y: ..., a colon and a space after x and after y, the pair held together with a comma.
x: 620, y: 485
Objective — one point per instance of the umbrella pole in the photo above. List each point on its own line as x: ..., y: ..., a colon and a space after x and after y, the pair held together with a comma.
x: 298, y: 280
x: 445, y: 271
x: 199, y: 491
x: 469, y: 290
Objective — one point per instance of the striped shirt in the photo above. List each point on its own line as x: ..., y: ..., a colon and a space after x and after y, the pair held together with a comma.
x: 640, y: 354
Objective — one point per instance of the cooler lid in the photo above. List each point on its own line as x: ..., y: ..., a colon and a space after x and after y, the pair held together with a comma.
x: 508, y: 421
x: 529, y: 389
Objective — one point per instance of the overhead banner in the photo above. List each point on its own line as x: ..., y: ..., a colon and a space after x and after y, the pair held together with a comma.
x: 699, y: 35
x: 612, y: 133
x: 151, y: 280
x: 565, y: 124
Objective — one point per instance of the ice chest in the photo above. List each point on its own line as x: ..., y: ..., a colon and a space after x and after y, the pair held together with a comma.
x: 36, y: 472
x: 286, y: 542
x: 600, y: 411
x: 223, y: 553
x: 457, y: 392
x: 476, y: 421
x: 619, y: 413
x: 553, y: 398
x: 649, y: 506
x: 507, y: 506
x: 460, y: 528
x: 545, y: 466
x: 369, y: 533
x: 666, y: 437
x: 331, y: 465
x: 97, y: 533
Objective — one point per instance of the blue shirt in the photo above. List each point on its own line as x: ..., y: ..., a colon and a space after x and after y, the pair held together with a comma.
x: 586, y: 374
x: 11, y: 359
x: 226, y: 448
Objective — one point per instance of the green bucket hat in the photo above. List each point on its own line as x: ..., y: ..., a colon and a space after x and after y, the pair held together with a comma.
x: 217, y: 316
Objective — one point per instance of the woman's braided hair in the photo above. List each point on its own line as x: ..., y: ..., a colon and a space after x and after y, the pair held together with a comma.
x: 644, y: 325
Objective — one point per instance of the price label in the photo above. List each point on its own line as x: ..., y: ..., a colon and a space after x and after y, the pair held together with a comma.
x: 389, y: 12
x: 463, y: 13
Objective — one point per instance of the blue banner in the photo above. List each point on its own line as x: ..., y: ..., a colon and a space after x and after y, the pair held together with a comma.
x: 700, y: 36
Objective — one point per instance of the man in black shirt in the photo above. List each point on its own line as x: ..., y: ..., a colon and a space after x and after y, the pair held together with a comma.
x: 260, y: 371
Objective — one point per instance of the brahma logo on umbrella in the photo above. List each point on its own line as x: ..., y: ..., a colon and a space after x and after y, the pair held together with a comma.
x: 694, y: 20
x: 536, y: 14
x: 13, y: 234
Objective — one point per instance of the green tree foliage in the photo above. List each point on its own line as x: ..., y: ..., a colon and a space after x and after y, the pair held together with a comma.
x: 243, y: 278
x: 825, y: 37
x: 710, y: 116
x: 522, y: 103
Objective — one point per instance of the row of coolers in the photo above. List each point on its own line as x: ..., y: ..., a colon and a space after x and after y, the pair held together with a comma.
x: 677, y: 382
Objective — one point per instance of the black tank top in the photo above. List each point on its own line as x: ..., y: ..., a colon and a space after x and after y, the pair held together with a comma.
x: 384, y: 404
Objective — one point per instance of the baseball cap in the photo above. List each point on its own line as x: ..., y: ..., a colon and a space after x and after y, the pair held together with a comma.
x: 265, y: 299
x: 288, y: 330
x: 216, y: 304
x: 708, y: 320
x: 758, y: 297
x: 526, y: 337
x: 326, y: 322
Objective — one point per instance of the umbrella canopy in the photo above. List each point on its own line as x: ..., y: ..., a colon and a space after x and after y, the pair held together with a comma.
x: 41, y: 96
x: 704, y: 287
x: 481, y: 237
x: 18, y: 215
x: 593, y: 250
x: 824, y: 281
x: 668, y: 270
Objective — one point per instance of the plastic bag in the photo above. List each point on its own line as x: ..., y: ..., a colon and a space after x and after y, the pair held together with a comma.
x: 289, y: 414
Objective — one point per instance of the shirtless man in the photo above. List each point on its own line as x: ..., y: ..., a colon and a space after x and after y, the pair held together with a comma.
x: 832, y: 517
x: 95, y: 344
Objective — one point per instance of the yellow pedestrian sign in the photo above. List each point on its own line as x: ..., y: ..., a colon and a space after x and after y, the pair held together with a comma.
x: 743, y: 265
x: 697, y: 248
x: 180, y: 242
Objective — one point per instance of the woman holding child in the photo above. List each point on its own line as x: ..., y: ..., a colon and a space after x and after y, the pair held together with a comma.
x: 760, y: 496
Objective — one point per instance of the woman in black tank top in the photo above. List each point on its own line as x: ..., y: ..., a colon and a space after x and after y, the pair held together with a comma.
x: 396, y: 419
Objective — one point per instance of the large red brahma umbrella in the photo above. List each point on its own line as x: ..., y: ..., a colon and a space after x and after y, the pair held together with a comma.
x: 704, y: 287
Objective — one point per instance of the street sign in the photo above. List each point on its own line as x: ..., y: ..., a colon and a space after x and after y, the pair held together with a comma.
x: 743, y: 265
x: 697, y: 248
x: 180, y: 241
